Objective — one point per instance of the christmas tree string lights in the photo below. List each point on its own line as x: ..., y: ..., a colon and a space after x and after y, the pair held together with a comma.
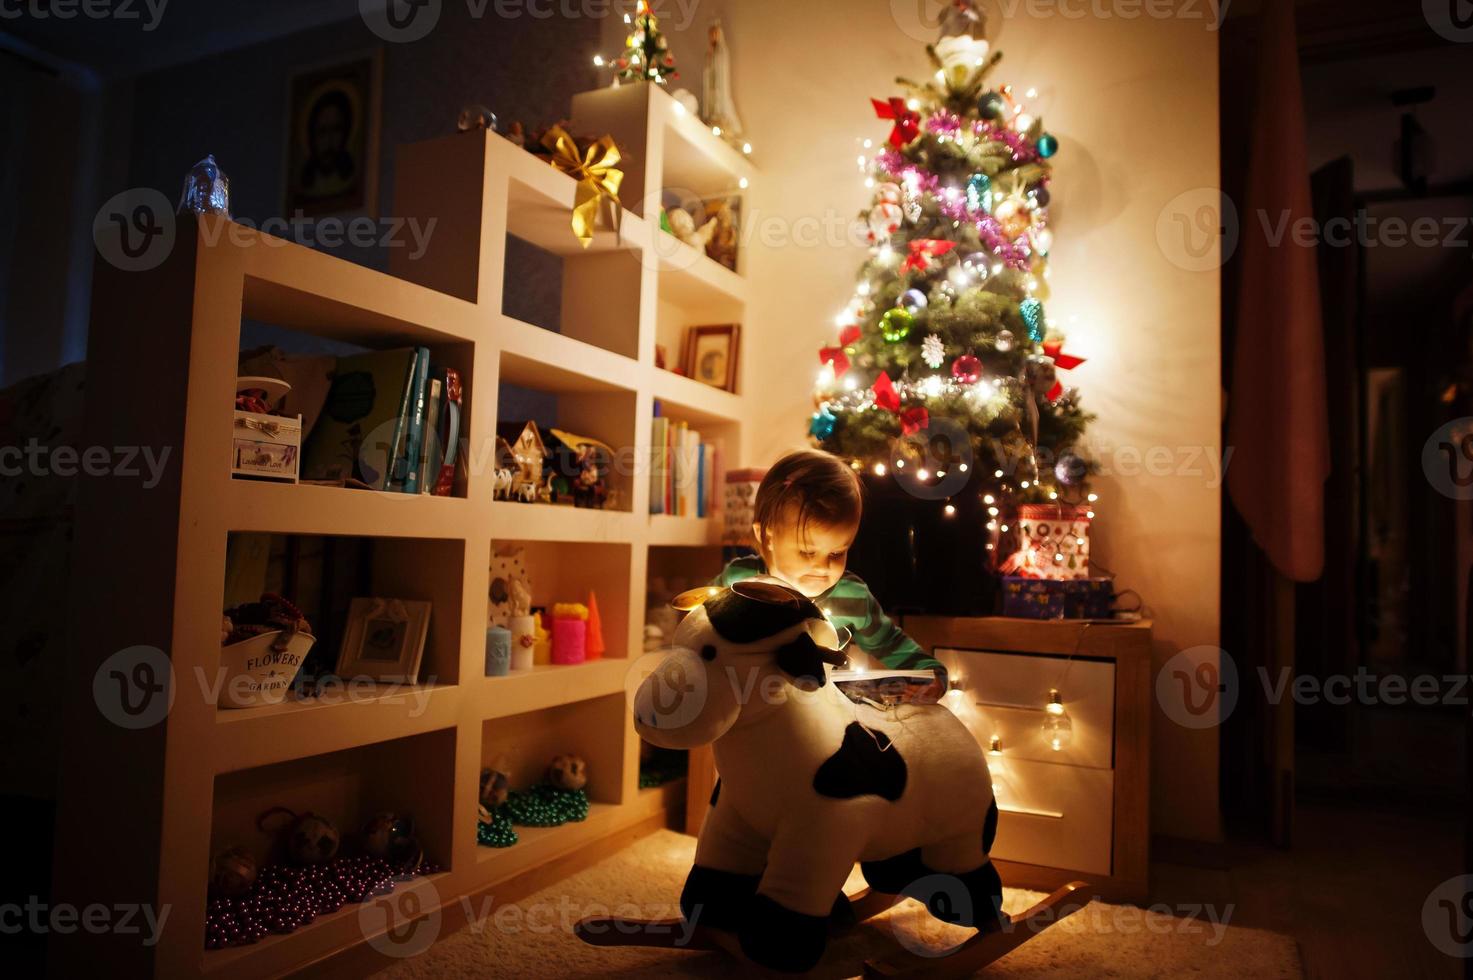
x: 646, y: 55
x: 948, y: 320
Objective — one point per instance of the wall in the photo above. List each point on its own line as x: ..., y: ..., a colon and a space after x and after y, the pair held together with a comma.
x: 1134, y: 105
x: 62, y: 162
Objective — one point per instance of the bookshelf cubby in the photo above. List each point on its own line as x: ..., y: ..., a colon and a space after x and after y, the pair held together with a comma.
x: 196, y: 781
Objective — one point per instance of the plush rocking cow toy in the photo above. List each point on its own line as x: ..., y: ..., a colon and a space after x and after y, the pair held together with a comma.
x: 811, y: 783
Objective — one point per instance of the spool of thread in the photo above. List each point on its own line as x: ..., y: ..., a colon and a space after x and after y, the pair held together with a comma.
x: 523, y: 641
x: 498, y: 651
x: 569, y: 640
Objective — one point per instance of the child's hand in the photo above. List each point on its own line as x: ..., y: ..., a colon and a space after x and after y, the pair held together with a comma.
x: 931, y: 693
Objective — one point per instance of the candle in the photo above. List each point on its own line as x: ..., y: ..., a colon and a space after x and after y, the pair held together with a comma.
x: 498, y: 651
x: 523, y: 641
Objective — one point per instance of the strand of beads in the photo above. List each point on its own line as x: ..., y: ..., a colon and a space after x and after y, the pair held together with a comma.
x: 286, y: 897
x: 547, y: 806
x: 498, y: 832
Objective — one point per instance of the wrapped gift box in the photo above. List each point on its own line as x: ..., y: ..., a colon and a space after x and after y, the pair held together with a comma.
x: 267, y: 445
x: 1039, y: 598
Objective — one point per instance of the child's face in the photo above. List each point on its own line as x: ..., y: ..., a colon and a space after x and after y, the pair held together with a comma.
x: 810, y: 562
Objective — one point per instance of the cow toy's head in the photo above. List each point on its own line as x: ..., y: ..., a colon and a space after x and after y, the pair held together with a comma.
x: 738, y: 653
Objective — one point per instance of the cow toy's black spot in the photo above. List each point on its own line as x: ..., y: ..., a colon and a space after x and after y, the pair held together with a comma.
x: 708, y: 652
x: 867, y: 764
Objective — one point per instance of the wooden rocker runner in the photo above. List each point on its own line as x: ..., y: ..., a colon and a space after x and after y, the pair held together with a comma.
x: 963, y: 960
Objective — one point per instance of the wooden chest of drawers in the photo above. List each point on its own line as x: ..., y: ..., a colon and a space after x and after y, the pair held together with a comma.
x: 1081, y: 809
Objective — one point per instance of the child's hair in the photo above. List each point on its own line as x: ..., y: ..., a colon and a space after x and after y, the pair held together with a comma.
x: 820, y: 486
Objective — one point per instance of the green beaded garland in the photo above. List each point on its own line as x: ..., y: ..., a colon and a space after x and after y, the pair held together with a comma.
x: 895, y: 324
x: 541, y: 806
x: 497, y: 833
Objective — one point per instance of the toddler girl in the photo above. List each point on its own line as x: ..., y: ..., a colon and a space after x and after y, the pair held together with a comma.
x: 805, y: 518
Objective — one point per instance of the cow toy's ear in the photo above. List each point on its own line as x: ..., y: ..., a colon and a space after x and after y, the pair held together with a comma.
x: 691, y: 598
x: 802, y: 660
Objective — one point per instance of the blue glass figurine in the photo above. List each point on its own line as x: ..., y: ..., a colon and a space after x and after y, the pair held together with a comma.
x: 206, y: 189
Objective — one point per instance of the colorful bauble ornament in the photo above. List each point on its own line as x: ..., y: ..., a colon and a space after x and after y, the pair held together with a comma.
x: 1004, y: 341
x: 932, y: 351
x: 884, y: 220
x: 1071, y: 469
x: 979, y: 192
x: 967, y: 369
x: 567, y: 772
x: 912, y: 301
x: 821, y: 426
x: 494, y: 787
x: 233, y: 872
x: 992, y: 105
x: 978, y: 264
x: 1040, y: 195
x: 1047, y: 145
x: 895, y: 325
x: 312, y: 840
x: 1031, y: 310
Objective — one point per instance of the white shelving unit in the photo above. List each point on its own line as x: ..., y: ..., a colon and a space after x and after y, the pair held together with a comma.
x: 176, y: 791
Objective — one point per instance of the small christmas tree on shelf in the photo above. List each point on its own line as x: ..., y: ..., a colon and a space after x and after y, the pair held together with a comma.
x: 646, y: 56
x: 945, y: 363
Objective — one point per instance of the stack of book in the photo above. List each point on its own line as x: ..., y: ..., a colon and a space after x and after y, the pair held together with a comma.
x: 391, y: 422
x: 682, y: 469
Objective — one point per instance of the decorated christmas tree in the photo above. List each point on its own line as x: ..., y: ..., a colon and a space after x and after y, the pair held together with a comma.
x: 646, y: 55
x: 946, y: 373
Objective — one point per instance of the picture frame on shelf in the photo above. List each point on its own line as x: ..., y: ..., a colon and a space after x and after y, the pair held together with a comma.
x: 384, y: 639
x: 710, y: 355
x: 332, y: 138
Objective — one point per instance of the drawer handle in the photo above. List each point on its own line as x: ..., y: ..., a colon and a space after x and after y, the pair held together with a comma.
x: 1031, y: 812
x: 1005, y: 704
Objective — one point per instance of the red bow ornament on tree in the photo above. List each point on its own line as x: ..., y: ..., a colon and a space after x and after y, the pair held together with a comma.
x: 1055, y: 350
x: 836, y: 357
x: 922, y: 251
x: 907, y: 121
x: 913, y: 420
x: 885, y: 394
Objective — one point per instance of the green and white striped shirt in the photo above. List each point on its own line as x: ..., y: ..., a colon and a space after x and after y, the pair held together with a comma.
x: 850, y: 603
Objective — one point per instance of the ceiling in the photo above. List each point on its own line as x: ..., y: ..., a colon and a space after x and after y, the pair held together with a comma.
x: 144, y: 35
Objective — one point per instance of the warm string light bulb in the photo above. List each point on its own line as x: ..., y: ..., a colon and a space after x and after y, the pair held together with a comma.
x: 1058, y: 730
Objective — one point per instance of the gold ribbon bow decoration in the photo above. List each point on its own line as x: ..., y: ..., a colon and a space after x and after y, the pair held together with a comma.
x: 597, y: 175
